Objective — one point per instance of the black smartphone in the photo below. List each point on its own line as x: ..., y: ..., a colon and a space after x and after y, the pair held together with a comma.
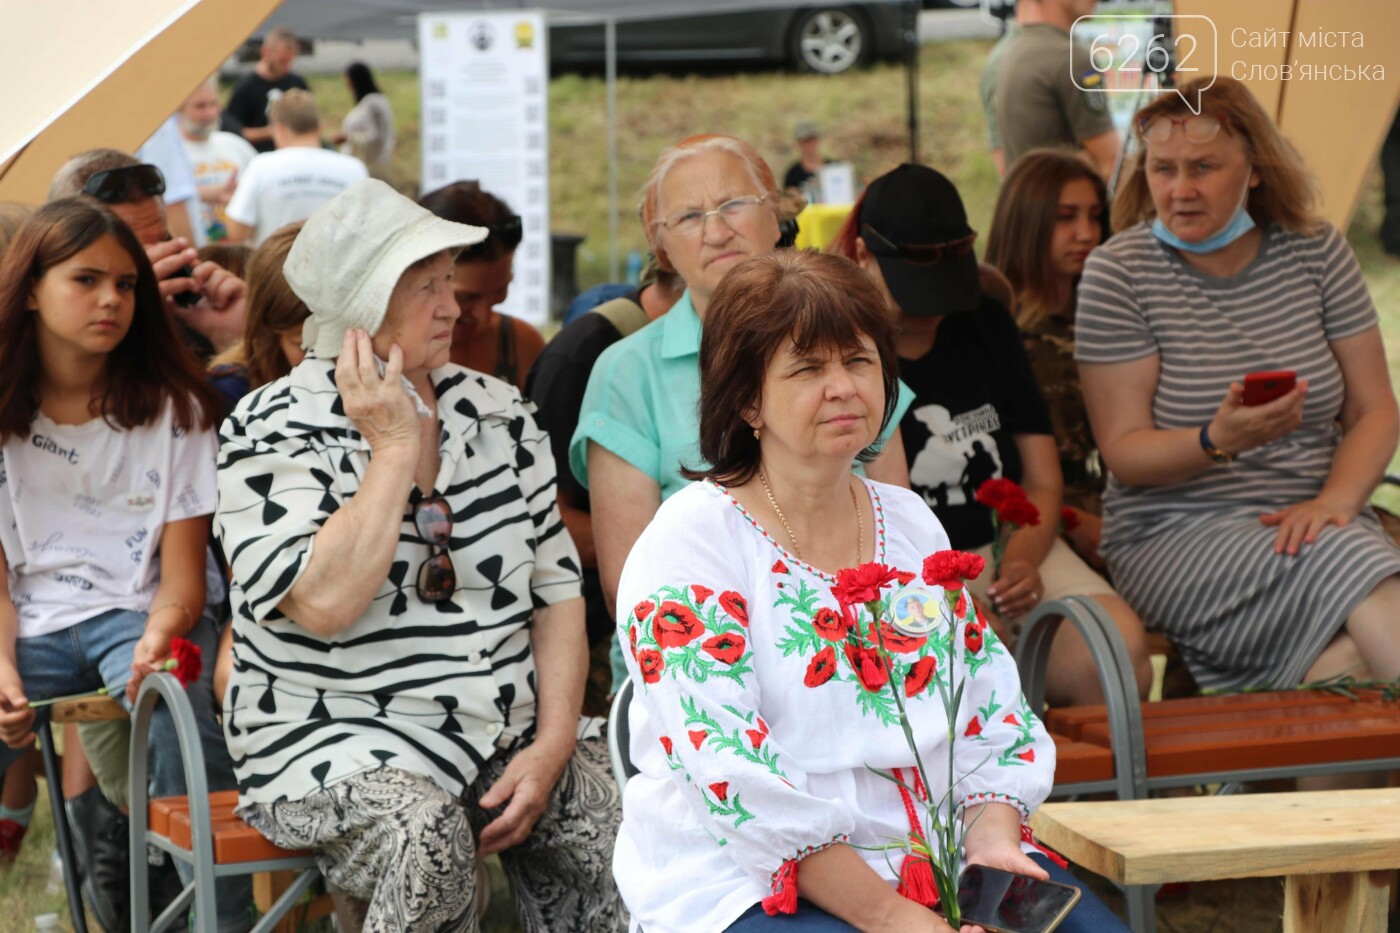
x: 186, y: 299
x: 1003, y: 902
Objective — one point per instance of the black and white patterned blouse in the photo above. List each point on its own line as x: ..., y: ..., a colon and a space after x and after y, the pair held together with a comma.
x: 432, y: 688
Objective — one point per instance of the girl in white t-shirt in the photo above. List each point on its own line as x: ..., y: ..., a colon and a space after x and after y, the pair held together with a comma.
x: 107, y: 466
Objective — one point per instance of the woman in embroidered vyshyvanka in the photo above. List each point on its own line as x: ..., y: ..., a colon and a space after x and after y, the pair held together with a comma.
x: 760, y: 706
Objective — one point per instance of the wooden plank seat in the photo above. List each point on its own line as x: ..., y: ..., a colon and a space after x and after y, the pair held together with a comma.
x: 234, y: 840
x: 1223, y: 733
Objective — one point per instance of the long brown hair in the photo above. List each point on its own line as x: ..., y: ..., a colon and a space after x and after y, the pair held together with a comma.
x: 148, y: 367
x: 1286, y: 193
x: 1023, y: 225
x: 273, y: 310
x: 817, y: 301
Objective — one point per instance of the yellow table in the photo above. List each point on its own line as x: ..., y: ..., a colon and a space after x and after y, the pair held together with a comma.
x: 1325, y: 843
x: 818, y: 224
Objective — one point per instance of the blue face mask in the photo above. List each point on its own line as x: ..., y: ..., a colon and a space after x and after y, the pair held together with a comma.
x: 1238, y: 225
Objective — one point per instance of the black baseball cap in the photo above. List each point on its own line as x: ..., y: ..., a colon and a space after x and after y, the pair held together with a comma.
x: 914, y: 223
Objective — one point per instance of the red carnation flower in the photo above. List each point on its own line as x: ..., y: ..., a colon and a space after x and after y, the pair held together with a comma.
x: 666, y: 744
x: 994, y: 492
x: 188, y: 661
x: 830, y: 624
x: 652, y: 664
x: 863, y: 584
x: 1069, y: 518
x: 869, y: 666
x: 898, y: 642
x: 701, y: 593
x: 728, y: 647
x: 697, y: 738
x: 1027, y: 755
x: 972, y: 637
x: 821, y: 667
x: 735, y: 606
x: 779, y: 567
x: 950, y: 569
x: 974, y: 728
x: 721, y: 790
x: 918, y: 677
x: 643, y: 609
x: 676, y: 626
x: 1019, y: 512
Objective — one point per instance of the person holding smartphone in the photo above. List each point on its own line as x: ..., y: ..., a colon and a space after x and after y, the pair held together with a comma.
x: 1240, y: 531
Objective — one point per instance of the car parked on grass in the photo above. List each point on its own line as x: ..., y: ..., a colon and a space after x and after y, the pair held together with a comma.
x: 823, y: 38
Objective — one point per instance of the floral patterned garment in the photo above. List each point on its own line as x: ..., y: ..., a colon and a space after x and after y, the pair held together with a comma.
x: 755, y: 723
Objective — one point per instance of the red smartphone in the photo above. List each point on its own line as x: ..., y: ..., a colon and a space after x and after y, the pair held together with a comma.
x: 1265, y: 387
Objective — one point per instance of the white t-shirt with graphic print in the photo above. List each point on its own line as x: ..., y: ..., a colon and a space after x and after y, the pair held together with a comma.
x: 82, y: 508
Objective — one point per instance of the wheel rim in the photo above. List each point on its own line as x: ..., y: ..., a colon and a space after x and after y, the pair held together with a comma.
x: 831, y: 41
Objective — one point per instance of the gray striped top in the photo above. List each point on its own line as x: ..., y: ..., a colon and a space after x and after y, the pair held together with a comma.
x: 1137, y: 297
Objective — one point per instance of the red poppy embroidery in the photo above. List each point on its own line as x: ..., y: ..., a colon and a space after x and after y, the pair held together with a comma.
x: 721, y: 790
x: 780, y: 567
x: 974, y: 728
x: 904, y: 577
x: 666, y: 743
x: 652, y: 664
x: 735, y: 606
x: 960, y: 607
x: 728, y: 647
x: 632, y: 638
x: 972, y: 637
x: 701, y: 593
x: 830, y: 624
x: 821, y: 667
x: 1027, y: 755
x: 676, y: 626
x: 1011, y: 720
x: 697, y: 738
x: 643, y: 609
x: 756, y: 736
x: 920, y: 673
x: 898, y: 642
x: 869, y: 667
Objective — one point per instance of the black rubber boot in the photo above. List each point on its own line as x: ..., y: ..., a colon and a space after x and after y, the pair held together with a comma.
x: 100, y: 834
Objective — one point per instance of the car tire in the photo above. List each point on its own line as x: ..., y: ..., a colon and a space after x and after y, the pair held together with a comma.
x: 831, y: 40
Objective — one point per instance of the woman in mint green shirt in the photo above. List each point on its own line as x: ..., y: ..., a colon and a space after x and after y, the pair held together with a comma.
x: 710, y: 203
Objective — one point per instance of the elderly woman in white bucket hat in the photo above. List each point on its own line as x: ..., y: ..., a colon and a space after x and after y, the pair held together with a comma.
x: 409, y: 646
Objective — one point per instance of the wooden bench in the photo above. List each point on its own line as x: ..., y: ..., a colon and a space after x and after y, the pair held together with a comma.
x: 1130, y: 748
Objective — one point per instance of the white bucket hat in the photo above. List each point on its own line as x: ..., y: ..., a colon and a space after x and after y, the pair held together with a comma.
x: 350, y: 254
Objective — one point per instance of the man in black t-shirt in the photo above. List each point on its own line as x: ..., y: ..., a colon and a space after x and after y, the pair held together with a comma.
x: 256, y: 90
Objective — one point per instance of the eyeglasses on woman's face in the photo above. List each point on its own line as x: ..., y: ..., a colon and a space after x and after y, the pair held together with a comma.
x: 1197, y: 129
x: 691, y: 224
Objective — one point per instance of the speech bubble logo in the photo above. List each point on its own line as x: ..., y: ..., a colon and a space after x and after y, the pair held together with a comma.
x: 1175, y: 47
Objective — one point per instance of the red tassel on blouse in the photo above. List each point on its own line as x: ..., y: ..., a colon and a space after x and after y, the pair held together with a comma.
x: 1051, y: 854
x: 783, y: 900
x: 916, y: 880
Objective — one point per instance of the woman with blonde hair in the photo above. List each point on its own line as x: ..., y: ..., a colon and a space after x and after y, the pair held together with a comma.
x: 1239, y: 530
x: 271, y: 343
x: 1051, y: 212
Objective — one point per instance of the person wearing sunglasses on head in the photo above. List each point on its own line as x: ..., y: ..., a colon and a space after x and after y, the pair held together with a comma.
x: 409, y: 648
x: 209, y: 301
x: 485, y: 339
x: 1237, y: 525
x: 978, y: 412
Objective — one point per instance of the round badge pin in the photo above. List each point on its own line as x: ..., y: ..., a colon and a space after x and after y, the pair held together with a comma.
x: 915, y: 611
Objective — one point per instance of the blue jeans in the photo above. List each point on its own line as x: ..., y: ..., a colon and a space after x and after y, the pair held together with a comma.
x: 99, y: 652
x: 1090, y: 915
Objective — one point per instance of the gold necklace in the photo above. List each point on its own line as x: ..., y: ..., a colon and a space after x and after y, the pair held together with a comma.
x: 797, y: 548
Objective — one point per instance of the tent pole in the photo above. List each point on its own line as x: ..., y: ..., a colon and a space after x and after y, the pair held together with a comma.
x: 911, y: 73
x: 610, y: 40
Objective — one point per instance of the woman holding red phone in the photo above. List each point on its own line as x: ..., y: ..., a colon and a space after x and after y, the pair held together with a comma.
x: 1240, y: 531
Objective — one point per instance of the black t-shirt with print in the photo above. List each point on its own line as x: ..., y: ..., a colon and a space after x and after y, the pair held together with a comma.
x: 974, y: 390
x: 253, y: 94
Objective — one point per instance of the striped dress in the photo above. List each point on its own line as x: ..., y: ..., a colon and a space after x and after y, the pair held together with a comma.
x: 1193, y: 557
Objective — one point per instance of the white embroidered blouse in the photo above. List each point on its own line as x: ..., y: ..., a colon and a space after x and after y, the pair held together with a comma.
x: 758, y: 711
